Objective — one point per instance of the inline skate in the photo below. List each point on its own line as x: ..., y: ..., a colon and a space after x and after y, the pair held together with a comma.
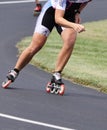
x: 56, y: 86
x: 37, y: 9
x: 11, y: 76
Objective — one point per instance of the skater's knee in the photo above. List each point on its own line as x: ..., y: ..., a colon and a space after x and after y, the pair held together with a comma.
x: 36, y: 45
x: 69, y: 38
x: 33, y: 49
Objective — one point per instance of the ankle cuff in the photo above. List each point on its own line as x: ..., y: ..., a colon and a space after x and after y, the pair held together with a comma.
x: 16, y: 70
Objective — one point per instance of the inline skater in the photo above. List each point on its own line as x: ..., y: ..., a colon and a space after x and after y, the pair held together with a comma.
x: 65, y: 16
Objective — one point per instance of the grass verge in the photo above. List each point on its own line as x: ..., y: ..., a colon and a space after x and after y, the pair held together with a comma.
x: 88, y: 63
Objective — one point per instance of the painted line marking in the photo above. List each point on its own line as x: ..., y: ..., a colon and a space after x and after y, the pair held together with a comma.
x: 15, y: 2
x: 34, y: 122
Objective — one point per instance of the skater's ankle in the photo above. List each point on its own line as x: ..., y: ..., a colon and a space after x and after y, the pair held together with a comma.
x: 16, y: 70
x: 57, y: 75
x: 57, y: 71
x: 56, y: 78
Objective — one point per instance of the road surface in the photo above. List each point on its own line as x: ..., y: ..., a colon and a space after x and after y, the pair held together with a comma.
x: 26, y: 105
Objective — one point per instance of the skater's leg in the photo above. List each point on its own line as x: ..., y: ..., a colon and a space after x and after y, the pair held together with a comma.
x: 69, y: 37
x: 37, y: 2
x: 37, y: 42
x: 41, y: 32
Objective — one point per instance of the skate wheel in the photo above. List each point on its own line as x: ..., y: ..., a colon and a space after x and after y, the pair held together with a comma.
x: 56, y: 91
x: 53, y: 90
x: 6, y: 83
x: 62, y: 89
x: 48, y: 88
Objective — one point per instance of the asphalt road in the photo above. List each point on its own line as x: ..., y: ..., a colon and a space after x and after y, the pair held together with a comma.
x: 26, y: 105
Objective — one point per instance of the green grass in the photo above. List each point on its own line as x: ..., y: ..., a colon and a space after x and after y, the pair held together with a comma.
x: 88, y: 63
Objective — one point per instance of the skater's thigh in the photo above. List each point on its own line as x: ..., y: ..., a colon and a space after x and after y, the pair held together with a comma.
x: 45, y: 22
x: 38, y: 40
x: 68, y: 35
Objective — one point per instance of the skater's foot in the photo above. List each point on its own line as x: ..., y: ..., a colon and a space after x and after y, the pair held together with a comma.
x: 11, y: 76
x: 56, y: 78
x: 56, y: 85
x: 38, y: 8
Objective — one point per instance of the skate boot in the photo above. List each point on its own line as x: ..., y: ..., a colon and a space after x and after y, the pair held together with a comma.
x: 37, y: 9
x: 56, y: 85
x: 11, y: 76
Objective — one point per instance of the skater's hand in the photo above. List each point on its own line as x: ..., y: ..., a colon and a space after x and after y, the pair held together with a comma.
x: 78, y: 28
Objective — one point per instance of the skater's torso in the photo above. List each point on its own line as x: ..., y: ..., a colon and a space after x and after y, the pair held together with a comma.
x: 46, y: 20
x: 63, y: 4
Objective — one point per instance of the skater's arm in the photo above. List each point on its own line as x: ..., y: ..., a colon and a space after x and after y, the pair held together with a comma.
x: 59, y: 19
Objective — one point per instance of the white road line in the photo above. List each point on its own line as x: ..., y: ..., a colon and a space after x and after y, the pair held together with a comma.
x: 34, y: 122
x: 21, y: 1
x: 15, y: 2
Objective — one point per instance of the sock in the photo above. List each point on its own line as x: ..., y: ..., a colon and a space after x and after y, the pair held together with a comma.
x: 16, y: 70
x: 58, y: 72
